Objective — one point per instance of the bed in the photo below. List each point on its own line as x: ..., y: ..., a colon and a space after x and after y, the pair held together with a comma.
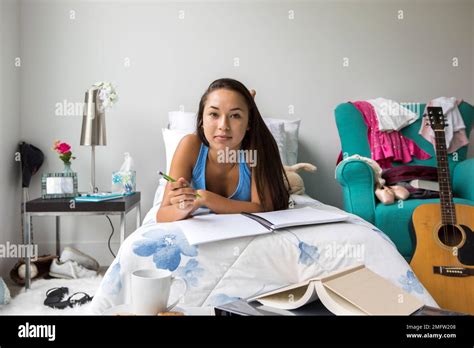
x: 223, y: 271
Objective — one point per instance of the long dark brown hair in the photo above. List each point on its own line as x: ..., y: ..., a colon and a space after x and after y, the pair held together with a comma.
x: 269, y: 169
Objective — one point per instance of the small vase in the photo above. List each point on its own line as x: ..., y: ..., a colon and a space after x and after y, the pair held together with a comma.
x: 67, y: 168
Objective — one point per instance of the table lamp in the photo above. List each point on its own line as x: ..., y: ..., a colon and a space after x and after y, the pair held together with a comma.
x: 93, y: 127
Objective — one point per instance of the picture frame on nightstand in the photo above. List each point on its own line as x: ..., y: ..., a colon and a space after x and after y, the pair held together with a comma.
x: 59, y: 185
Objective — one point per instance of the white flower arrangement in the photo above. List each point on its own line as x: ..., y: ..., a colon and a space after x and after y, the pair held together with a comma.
x: 107, y: 94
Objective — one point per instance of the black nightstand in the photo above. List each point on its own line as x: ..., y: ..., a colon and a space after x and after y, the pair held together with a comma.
x: 67, y: 206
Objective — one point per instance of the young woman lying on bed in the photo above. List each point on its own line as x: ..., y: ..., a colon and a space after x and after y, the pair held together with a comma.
x: 211, y: 163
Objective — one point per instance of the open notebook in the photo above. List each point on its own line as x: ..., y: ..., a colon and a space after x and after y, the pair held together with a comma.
x: 213, y: 227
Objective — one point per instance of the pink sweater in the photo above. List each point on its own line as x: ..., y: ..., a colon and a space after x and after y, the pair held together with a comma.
x: 387, y: 147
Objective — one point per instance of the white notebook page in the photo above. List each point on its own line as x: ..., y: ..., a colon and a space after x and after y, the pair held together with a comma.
x: 213, y: 227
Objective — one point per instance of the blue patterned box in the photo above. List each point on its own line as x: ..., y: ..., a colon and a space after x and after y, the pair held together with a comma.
x: 124, y: 182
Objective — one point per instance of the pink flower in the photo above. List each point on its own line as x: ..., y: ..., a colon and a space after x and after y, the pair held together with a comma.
x: 64, y: 151
x: 63, y: 148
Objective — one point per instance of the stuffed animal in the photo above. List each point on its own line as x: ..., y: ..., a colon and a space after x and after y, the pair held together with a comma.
x: 296, y: 182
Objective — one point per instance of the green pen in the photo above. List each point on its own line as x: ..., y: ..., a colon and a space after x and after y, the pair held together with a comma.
x: 170, y: 179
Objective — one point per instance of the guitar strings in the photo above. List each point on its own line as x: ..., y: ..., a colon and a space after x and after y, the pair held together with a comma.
x: 440, y: 139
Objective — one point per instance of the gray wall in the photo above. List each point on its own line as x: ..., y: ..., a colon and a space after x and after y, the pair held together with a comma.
x: 10, y: 186
x: 288, y: 61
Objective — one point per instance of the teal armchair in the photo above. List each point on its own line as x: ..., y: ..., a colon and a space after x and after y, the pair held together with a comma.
x: 357, y: 180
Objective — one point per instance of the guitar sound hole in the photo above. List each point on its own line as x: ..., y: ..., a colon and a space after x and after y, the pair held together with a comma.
x: 450, y: 235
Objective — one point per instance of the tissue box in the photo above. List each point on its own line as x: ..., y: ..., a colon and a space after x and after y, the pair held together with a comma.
x: 124, y: 182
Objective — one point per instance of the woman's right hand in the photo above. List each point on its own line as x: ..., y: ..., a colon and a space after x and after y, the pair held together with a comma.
x: 182, y: 196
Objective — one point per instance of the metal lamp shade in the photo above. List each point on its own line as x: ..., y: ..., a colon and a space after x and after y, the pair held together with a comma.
x: 93, y: 120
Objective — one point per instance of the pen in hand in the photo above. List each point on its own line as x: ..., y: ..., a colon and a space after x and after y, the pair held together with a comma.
x: 170, y: 179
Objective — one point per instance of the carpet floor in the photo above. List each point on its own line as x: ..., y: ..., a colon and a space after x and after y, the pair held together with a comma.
x: 30, y: 302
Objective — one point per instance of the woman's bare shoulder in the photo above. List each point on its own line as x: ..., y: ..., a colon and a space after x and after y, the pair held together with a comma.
x: 189, y: 148
x: 191, y: 142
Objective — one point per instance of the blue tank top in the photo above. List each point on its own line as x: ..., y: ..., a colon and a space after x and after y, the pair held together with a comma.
x: 243, y: 190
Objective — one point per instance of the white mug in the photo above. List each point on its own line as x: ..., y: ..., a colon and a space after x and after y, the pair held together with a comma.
x: 151, y: 291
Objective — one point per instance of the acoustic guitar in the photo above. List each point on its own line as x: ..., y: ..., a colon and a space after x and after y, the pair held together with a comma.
x: 444, y: 256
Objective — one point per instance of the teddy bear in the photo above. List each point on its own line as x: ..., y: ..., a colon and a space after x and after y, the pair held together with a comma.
x: 295, y: 181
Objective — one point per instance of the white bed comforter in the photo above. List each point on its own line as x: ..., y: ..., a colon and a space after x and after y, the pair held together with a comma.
x: 223, y: 271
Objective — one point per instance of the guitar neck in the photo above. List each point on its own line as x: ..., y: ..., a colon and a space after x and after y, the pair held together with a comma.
x: 448, y: 212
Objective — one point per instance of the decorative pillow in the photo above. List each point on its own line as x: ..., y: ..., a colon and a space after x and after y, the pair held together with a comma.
x: 291, y: 129
x: 180, y: 120
x: 278, y: 132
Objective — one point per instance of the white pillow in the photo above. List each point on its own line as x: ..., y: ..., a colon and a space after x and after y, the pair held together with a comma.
x: 291, y: 129
x: 180, y: 120
x: 171, y: 139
